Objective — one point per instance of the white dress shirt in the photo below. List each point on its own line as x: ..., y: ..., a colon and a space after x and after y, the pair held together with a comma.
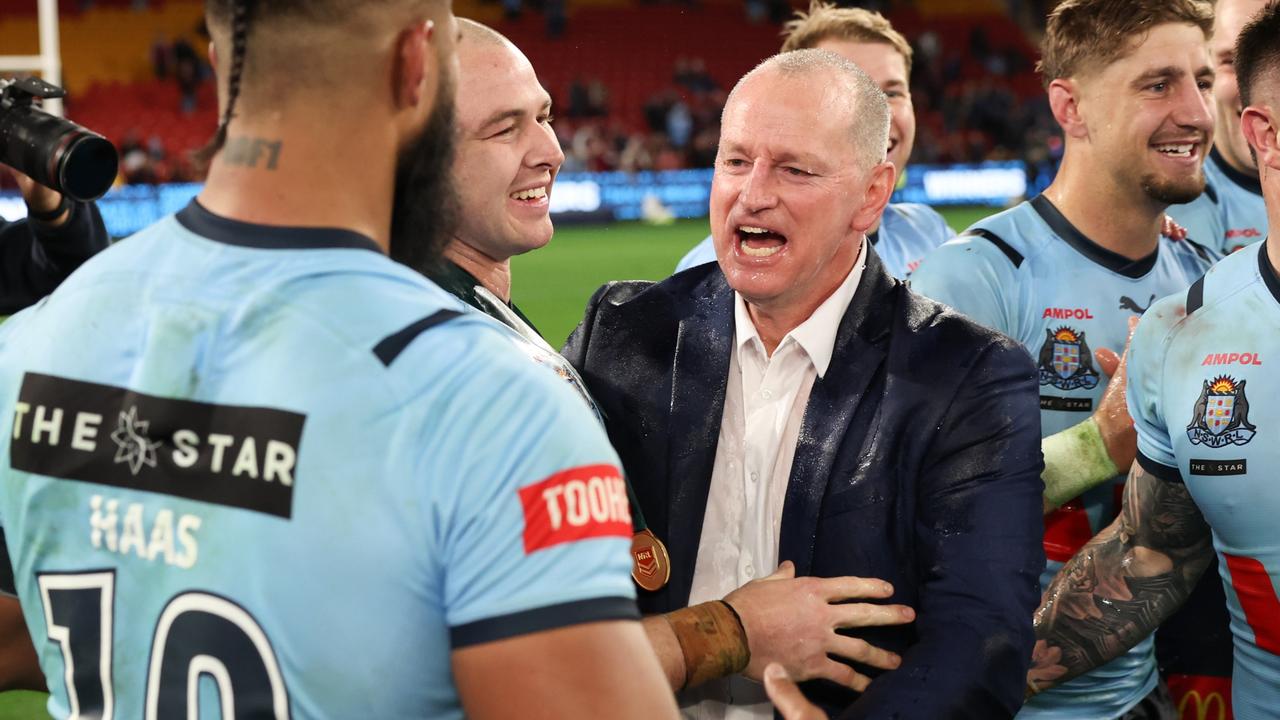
x: 764, y: 408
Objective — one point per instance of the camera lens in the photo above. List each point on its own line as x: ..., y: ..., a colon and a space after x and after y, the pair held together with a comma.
x: 87, y: 166
x: 57, y: 153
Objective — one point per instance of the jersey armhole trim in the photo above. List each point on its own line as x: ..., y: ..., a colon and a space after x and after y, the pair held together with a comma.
x: 1160, y: 470
x: 1195, y: 295
x: 550, y: 617
x: 1014, y: 256
x: 390, y: 347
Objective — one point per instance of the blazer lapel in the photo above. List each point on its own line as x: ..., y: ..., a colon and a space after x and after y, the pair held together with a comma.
x: 699, y: 377
x: 859, y: 351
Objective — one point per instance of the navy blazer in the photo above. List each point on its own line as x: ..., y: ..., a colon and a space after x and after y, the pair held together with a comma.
x: 918, y: 463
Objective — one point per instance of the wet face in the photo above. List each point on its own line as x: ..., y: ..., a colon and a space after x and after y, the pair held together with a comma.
x: 1147, y: 115
x: 1230, y: 17
x: 888, y: 68
x: 508, y: 155
x: 787, y: 190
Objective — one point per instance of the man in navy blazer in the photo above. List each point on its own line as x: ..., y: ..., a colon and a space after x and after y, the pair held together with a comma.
x: 907, y: 442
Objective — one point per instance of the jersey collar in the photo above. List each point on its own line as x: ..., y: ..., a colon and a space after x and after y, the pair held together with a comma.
x: 196, y: 218
x: 1243, y: 179
x: 1113, y: 261
x: 1268, y: 272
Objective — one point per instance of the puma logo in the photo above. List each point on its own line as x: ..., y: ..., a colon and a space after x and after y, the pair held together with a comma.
x: 1128, y: 303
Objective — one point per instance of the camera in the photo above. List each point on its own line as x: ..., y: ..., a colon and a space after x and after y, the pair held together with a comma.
x: 53, y: 151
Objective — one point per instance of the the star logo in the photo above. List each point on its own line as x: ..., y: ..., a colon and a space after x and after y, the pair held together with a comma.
x: 132, y: 445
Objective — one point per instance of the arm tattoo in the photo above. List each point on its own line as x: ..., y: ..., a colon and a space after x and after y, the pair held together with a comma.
x: 248, y: 151
x: 1121, y: 585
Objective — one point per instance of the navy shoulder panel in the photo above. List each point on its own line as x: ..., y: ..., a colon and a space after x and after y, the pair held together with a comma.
x: 1195, y: 296
x: 390, y: 347
x: 1014, y: 256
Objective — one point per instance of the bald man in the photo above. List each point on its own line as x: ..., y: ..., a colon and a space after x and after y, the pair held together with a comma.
x: 796, y: 404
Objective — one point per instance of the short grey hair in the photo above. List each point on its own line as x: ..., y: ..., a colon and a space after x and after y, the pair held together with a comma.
x: 869, y: 124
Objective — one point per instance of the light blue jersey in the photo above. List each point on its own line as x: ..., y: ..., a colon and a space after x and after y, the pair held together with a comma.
x: 1203, y: 392
x: 1029, y: 273
x: 907, y: 232
x: 1229, y: 214
x: 270, y: 467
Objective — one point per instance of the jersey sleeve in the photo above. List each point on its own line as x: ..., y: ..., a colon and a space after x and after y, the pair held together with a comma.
x: 1145, y: 367
x: 975, y: 278
x: 532, y: 520
x: 701, y: 254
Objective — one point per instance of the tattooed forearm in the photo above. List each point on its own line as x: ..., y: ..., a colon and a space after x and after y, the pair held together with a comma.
x: 249, y: 152
x: 1123, y: 584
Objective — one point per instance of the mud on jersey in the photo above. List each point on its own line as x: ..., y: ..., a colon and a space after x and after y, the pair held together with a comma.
x: 1203, y: 393
x: 270, y: 466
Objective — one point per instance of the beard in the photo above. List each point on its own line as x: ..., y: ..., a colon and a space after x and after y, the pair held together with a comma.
x: 1173, y: 192
x: 424, y: 212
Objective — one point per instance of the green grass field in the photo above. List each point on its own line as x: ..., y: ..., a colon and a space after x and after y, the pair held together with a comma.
x: 552, y: 287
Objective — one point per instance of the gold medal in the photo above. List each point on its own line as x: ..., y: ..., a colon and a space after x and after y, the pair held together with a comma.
x: 650, y: 564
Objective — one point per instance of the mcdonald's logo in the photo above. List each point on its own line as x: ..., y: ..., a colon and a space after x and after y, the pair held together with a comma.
x: 1210, y: 706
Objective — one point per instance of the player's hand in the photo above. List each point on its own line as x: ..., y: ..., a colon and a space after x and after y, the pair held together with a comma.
x: 39, y: 198
x: 793, y: 621
x: 1172, y: 230
x: 1112, y: 415
x: 786, y: 696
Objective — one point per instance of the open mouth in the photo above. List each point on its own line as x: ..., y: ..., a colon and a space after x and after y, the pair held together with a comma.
x: 759, y: 242
x: 530, y: 196
x: 1183, y: 150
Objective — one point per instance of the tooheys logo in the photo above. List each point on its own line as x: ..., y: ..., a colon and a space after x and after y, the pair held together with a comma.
x: 575, y: 504
x: 244, y: 457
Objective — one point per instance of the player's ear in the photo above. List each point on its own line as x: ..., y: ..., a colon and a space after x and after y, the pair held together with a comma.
x: 1259, y: 126
x: 213, y: 54
x: 880, y: 183
x: 1064, y: 101
x: 414, y: 63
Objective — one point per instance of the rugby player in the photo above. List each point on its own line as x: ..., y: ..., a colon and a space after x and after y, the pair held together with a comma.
x: 1129, y: 84
x: 256, y: 468
x: 506, y: 166
x: 1202, y: 395
x: 907, y: 231
x: 1230, y: 213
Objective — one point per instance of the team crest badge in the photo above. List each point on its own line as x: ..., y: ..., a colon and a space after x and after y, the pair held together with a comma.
x: 1221, y: 415
x: 1066, y: 361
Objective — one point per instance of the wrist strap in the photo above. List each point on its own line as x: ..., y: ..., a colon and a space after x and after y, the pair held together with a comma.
x: 50, y: 216
x: 1075, y: 460
x: 712, y: 640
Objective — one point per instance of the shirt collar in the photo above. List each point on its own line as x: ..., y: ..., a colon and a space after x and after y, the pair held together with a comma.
x: 817, y: 335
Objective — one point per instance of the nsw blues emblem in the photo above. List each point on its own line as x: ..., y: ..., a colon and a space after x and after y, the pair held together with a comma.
x: 1066, y: 361
x: 1221, y: 416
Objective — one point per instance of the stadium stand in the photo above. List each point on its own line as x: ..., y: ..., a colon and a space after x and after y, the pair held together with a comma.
x: 638, y: 86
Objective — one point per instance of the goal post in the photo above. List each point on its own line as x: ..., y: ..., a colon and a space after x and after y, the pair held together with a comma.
x: 49, y: 62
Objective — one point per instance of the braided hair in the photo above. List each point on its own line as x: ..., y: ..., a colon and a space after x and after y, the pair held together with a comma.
x: 241, y: 11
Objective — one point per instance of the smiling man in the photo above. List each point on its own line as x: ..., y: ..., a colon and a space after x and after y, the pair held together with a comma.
x: 796, y: 403
x: 506, y: 162
x: 907, y: 231
x: 1129, y: 84
x: 1230, y: 214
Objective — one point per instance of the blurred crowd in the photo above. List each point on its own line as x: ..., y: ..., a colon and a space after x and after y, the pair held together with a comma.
x: 966, y: 97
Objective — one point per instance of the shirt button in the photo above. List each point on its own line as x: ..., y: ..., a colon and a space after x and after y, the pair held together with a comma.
x: 755, y: 476
x: 749, y: 571
x: 766, y: 394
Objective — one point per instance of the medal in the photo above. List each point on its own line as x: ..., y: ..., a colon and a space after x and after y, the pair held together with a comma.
x: 650, y: 565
